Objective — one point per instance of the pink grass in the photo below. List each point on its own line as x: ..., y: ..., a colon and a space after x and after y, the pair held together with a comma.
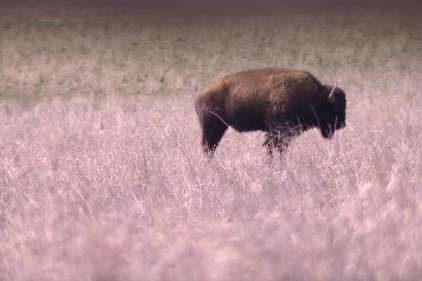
x: 124, y: 193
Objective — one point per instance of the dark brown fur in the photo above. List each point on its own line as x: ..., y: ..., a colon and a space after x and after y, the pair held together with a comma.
x: 281, y: 102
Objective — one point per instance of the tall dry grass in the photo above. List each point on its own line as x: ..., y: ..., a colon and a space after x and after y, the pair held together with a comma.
x: 111, y: 186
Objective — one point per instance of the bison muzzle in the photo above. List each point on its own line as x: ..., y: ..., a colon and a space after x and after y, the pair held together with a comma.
x: 281, y: 102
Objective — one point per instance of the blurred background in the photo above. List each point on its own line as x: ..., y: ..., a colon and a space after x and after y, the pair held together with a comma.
x: 164, y: 47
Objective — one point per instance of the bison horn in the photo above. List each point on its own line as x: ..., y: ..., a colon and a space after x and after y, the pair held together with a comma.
x: 331, y: 95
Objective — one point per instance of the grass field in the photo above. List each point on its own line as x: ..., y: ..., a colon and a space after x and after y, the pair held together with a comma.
x: 102, y: 176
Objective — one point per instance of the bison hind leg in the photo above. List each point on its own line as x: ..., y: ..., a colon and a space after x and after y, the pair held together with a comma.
x: 276, y: 141
x: 213, y: 129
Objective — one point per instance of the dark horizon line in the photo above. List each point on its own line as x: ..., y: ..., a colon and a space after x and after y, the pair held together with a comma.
x: 244, y: 5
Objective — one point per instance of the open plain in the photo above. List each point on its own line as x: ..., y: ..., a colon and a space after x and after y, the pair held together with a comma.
x: 102, y: 176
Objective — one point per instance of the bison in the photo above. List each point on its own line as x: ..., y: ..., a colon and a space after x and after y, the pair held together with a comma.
x: 281, y: 102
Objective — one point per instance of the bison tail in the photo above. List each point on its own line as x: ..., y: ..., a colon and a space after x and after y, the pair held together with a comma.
x: 201, y: 111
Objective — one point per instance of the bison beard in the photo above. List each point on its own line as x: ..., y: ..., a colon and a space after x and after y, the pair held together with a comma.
x: 281, y: 102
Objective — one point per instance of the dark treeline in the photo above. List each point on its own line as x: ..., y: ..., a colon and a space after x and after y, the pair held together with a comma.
x: 229, y: 6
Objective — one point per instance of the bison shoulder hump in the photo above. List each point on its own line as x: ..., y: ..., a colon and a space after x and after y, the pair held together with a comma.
x: 292, y: 83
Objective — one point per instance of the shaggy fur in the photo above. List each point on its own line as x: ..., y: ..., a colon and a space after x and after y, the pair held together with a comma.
x: 281, y: 102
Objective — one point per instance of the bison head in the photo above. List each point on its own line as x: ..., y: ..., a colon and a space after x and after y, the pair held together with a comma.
x: 332, y: 115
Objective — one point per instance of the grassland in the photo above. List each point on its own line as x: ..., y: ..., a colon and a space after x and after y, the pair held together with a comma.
x: 102, y: 176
